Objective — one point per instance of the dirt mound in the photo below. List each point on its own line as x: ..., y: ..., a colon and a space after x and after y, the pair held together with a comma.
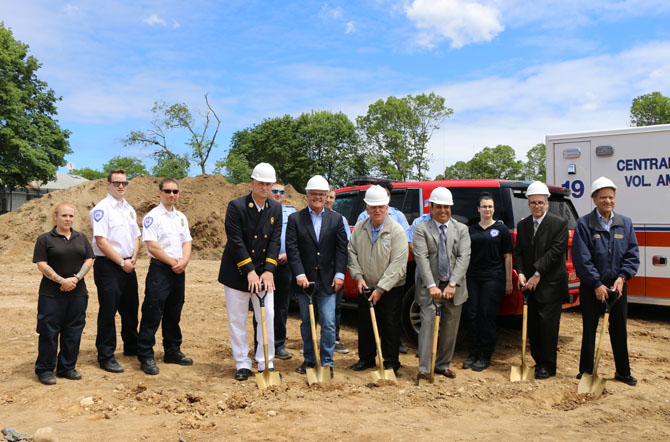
x: 203, y: 200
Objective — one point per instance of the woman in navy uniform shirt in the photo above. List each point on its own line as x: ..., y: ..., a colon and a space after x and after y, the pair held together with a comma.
x: 64, y: 256
x: 489, y: 277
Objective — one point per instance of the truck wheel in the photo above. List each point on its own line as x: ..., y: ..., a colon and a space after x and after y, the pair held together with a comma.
x: 410, y: 316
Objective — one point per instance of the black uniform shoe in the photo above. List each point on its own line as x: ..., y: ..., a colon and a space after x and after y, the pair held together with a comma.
x: 541, y: 373
x: 47, y: 378
x: 362, y: 365
x: 481, y: 364
x: 630, y: 380
x: 402, y: 349
x: 177, y: 358
x: 303, y: 368
x: 242, y: 374
x: 72, y: 374
x: 469, y: 361
x: 111, y: 366
x: 149, y: 367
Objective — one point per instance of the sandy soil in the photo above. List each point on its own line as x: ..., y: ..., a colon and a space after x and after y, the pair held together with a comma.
x: 204, y: 402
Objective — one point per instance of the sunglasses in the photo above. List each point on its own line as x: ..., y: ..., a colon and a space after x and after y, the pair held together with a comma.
x: 281, y: 192
x: 120, y: 183
x: 169, y: 191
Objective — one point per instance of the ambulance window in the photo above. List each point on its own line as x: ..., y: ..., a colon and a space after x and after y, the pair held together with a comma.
x: 349, y: 204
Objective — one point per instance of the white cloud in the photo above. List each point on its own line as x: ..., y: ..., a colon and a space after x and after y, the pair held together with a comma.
x: 175, y: 24
x: 460, y: 21
x: 328, y: 13
x: 351, y: 27
x: 153, y: 19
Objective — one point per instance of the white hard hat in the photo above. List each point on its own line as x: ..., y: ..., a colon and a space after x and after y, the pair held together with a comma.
x: 537, y: 188
x: 376, y: 196
x: 602, y: 183
x: 317, y: 182
x: 441, y: 195
x: 264, y: 172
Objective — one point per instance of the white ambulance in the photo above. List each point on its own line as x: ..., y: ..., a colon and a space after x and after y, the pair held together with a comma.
x: 637, y: 159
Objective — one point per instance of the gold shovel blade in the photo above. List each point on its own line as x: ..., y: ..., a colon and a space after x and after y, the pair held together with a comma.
x: 267, y: 378
x: 386, y: 375
x: 592, y: 384
x: 520, y: 373
x: 318, y: 375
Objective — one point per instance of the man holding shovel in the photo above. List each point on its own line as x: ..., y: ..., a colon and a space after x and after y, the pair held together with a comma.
x: 253, y: 227
x: 605, y: 255
x: 442, y: 254
x: 378, y: 259
x: 316, y: 246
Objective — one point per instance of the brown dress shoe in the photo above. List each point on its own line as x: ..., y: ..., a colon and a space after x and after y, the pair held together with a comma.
x: 446, y: 373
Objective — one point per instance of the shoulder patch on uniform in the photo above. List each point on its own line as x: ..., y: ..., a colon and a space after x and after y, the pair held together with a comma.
x: 98, y: 214
x: 148, y: 221
x: 494, y: 233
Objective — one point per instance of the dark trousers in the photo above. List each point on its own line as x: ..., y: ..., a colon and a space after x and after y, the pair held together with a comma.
x: 283, y: 292
x: 338, y: 314
x: 62, y: 317
x: 481, y: 310
x: 544, y: 320
x: 163, y: 300
x: 117, y: 291
x: 387, y: 312
x: 592, y: 309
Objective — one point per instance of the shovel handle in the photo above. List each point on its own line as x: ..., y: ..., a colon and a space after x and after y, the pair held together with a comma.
x: 309, y: 291
x: 261, y: 299
x: 612, y: 298
x: 366, y: 293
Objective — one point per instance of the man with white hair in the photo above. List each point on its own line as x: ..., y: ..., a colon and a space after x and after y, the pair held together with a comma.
x: 539, y: 258
x: 316, y: 245
x: 378, y: 253
x: 605, y: 255
x: 253, y: 227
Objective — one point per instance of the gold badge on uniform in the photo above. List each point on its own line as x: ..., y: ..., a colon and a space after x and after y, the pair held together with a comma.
x: 130, y: 214
x: 272, y: 220
x: 182, y: 222
x: 251, y: 205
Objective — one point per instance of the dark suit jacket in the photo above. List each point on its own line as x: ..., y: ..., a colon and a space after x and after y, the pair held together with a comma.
x: 305, y: 255
x: 546, y: 253
x: 254, y: 239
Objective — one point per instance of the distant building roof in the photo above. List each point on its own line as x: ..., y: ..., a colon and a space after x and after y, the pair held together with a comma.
x: 63, y: 181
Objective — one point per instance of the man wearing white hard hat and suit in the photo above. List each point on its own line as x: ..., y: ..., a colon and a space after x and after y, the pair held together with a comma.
x: 253, y: 227
x: 378, y: 258
x: 539, y: 259
x: 442, y: 255
x: 316, y: 246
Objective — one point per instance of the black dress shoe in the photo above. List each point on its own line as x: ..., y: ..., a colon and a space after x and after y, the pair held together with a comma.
x: 303, y: 368
x: 402, y: 349
x: 469, y: 361
x: 71, y: 374
x: 630, y: 380
x: 177, y: 358
x: 47, y: 378
x: 242, y: 374
x: 422, y: 375
x: 111, y: 366
x: 149, y: 366
x: 362, y: 365
x: 541, y: 373
x: 481, y: 364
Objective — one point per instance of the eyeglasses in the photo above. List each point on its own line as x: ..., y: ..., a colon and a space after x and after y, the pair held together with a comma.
x: 316, y: 195
x: 281, y: 192
x: 169, y: 191
x: 120, y: 183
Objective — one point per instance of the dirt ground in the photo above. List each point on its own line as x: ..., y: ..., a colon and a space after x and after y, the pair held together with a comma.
x: 204, y: 402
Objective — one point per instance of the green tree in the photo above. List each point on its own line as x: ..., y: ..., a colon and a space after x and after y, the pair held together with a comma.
x: 457, y: 171
x: 650, y: 109
x: 170, y: 165
x: 32, y: 144
x: 237, y: 169
x: 88, y: 173
x: 131, y: 165
x: 397, y: 131
x: 499, y: 162
x: 535, y: 168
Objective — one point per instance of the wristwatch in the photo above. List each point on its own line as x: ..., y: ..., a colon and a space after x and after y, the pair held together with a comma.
x: 123, y: 263
x: 452, y: 283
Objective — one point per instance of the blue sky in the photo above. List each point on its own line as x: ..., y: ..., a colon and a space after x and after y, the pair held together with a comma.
x: 513, y: 71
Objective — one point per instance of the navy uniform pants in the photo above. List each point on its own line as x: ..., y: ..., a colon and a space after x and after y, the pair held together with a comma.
x: 163, y: 301
x: 61, y: 317
x: 481, y: 310
x: 117, y: 291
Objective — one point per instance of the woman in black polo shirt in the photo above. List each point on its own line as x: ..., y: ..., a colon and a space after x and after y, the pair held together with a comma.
x: 64, y: 256
x: 489, y: 277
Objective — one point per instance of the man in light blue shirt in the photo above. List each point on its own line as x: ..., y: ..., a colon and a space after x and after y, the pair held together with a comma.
x: 394, y: 213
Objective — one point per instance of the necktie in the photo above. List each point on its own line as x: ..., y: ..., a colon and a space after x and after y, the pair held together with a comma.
x: 442, y: 255
x: 535, y: 227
